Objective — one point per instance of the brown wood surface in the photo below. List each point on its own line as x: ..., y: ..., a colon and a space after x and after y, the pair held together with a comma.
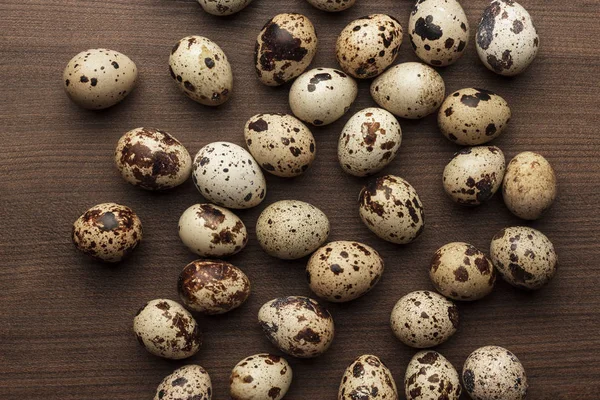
x: 65, y: 324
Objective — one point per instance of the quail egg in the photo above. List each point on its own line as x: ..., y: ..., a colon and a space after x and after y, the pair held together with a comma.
x: 223, y: 7
x: 332, y: 5
x: 430, y: 375
x: 367, y: 378
x: 260, y: 377
x: 189, y: 382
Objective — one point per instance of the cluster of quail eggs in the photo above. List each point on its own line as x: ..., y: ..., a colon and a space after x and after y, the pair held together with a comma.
x: 231, y: 177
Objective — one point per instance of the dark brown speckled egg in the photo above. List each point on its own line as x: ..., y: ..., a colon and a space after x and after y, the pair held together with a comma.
x: 188, y: 382
x: 430, y: 375
x: 261, y: 376
x: 367, y: 378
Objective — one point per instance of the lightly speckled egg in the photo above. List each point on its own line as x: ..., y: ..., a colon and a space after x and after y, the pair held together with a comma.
x: 410, y: 90
x: 506, y: 40
x: 167, y: 330
x: 369, y: 45
x: 291, y: 229
x: 424, y: 319
x: 212, y: 231
x: 471, y: 117
x: 369, y: 142
x: 474, y: 175
x: 285, y: 47
x: 524, y: 256
x: 152, y: 159
x: 212, y: 287
x: 321, y: 96
x: 227, y: 175
x: 493, y: 372
x: 189, y: 382
x: 529, y: 186
x: 99, y: 78
x: 223, y: 7
x: 280, y: 143
x: 332, y: 5
x: 297, y: 325
x: 390, y: 207
x: 367, y: 378
x: 430, y: 375
x: 201, y: 70
x: 343, y: 271
x: 438, y: 31
x: 260, y: 377
x: 462, y: 272
x: 107, y: 232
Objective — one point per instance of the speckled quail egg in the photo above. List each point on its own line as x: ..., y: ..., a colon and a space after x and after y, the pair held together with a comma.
x: 297, y: 325
x: 506, y: 40
x: 99, y: 78
x: 212, y: 231
x: 212, y: 286
x: 321, y: 96
x: 424, y: 319
x: 474, y: 175
x: 367, y: 378
x: 390, y: 207
x: 438, y: 31
x: 462, y: 272
x: 343, y: 271
x: 369, y: 142
x: 201, y: 70
x: 152, y: 159
x: 223, y: 7
x: 107, y: 232
x: 524, y: 256
x: 280, y: 143
x: 529, y: 186
x: 291, y: 229
x: 471, y: 117
x: 227, y: 175
x: 188, y: 382
x: 369, y: 45
x: 409, y: 90
x: 430, y: 376
x: 332, y: 5
x: 260, y: 377
x: 493, y: 372
x: 285, y: 47
x: 168, y: 330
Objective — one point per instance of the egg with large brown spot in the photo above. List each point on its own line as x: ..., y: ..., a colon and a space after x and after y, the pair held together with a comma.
x: 189, y: 382
x: 260, y: 377
x: 367, y: 378
x: 332, y: 5
x: 222, y: 8
x: 462, y: 272
x: 429, y: 375
x: 107, y: 232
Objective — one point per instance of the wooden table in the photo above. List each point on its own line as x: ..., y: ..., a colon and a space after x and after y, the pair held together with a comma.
x: 65, y: 325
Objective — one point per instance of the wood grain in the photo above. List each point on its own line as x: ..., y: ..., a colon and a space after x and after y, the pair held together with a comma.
x: 65, y: 325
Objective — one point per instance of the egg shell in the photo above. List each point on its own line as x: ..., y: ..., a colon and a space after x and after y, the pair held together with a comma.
x: 370, y: 141
x: 281, y: 144
x: 212, y: 287
x: 367, y: 378
x: 188, y: 382
x: 260, y: 377
x: 107, y: 232
x: 424, y: 319
x: 471, y: 117
x: 369, y: 45
x: 96, y: 79
x: 343, y: 271
x: 390, y: 207
x: 438, y: 31
x: 474, y: 175
x: 506, y: 40
x: 493, y: 372
x: 529, y: 187
x: 462, y: 272
x: 321, y: 96
x: 201, y: 70
x: 223, y: 7
x: 291, y: 229
x: 297, y: 325
x: 332, y: 5
x: 227, y: 175
x: 152, y: 159
x: 167, y: 330
x: 212, y: 231
x: 524, y: 256
x: 410, y: 90
x: 285, y: 47
x: 430, y: 375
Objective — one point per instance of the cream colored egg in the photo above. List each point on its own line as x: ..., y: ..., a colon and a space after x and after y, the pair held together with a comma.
x: 223, y: 7
x: 332, y: 5
x: 189, y: 382
x: 430, y: 375
x: 367, y: 378
x: 260, y: 377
